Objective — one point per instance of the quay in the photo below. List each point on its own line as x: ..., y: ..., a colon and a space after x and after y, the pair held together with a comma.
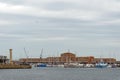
x: 8, y: 63
x: 13, y: 66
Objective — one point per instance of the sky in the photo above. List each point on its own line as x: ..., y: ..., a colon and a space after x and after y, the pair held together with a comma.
x: 83, y: 27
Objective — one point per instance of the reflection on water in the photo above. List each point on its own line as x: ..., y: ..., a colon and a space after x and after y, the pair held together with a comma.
x: 60, y: 74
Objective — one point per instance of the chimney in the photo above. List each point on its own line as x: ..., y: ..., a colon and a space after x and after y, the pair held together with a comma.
x: 10, y: 56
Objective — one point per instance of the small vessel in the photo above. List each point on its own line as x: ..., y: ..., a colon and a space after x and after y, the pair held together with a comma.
x: 112, y: 66
x: 101, y: 64
x: 41, y: 65
x: 89, y: 66
x: 72, y: 65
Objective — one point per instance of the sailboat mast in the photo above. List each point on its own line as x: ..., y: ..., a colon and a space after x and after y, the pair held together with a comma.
x: 41, y: 54
x: 26, y: 53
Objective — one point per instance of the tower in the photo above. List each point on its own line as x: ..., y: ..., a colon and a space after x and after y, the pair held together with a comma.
x: 10, y: 56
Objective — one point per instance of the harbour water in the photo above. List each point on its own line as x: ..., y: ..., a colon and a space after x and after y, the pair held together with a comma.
x: 60, y: 74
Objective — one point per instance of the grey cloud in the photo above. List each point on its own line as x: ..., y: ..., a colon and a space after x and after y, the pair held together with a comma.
x: 15, y: 2
x: 110, y: 16
x: 58, y: 5
x: 62, y: 33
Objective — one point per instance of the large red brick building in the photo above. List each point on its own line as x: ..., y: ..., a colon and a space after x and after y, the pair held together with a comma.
x: 67, y: 58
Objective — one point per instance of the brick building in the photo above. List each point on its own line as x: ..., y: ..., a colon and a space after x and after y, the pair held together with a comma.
x: 85, y: 60
x: 106, y: 60
x: 67, y: 58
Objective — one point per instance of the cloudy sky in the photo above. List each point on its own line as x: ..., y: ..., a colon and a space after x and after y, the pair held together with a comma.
x: 85, y: 27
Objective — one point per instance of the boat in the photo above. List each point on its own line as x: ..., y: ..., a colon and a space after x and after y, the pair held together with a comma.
x: 73, y: 65
x: 112, y: 66
x: 101, y: 64
x: 89, y: 66
x: 70, y: 65
x: 41, y: 65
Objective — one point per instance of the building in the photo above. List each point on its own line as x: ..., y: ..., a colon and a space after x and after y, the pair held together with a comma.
x: 106, y: 60
x: 67, y: 57
x: 3, y: 59
x: 85, y: 60
x: 32, y: 60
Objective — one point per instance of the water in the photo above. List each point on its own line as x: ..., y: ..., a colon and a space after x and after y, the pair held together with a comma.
x: 60, y: 74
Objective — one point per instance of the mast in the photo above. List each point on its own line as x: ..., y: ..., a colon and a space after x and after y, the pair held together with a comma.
x: 41, y: 54
x: 26, y: 55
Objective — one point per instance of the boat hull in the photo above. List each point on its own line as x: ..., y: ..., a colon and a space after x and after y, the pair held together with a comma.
x: 41, y: 65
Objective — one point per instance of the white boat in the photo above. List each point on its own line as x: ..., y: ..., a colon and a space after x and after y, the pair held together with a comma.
x: 101, y: 65
x: 89, y: 66
x: 73, y: 65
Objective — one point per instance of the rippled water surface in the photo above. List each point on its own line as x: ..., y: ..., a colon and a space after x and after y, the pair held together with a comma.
x: 60, y: 74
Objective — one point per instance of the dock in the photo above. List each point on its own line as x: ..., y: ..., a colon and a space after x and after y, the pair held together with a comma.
x: 9, y: 64
x: 13, y: 66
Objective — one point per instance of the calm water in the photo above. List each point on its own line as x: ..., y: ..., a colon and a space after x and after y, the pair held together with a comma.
x: 60, y: 74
